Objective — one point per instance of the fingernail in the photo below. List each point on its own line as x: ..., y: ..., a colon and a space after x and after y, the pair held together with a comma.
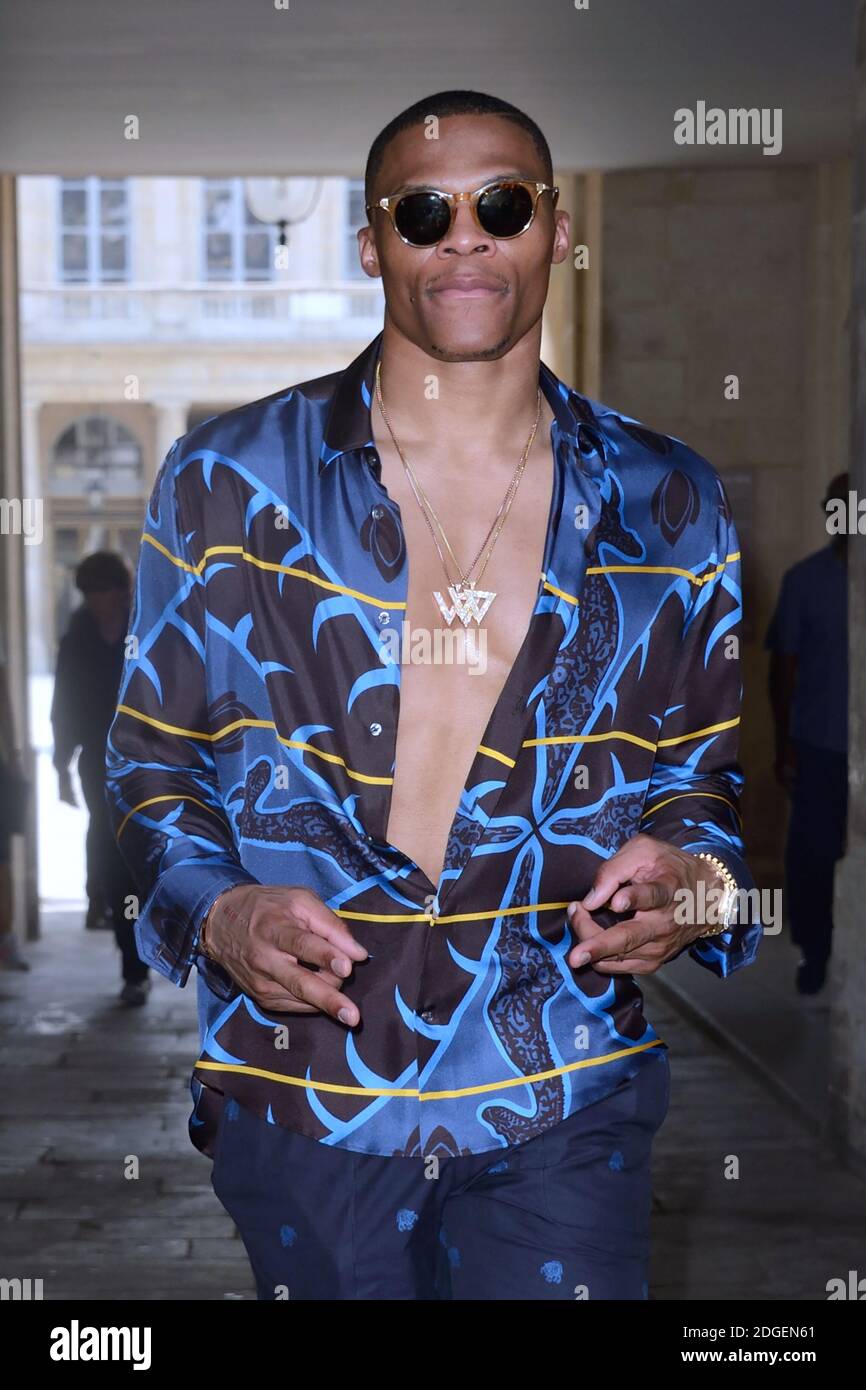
x: 591, y: 897
x: 340, y: 965
x: 620, y: 902
x: 570, y: 910
x: 346, y: 1016
x: 582, y: 957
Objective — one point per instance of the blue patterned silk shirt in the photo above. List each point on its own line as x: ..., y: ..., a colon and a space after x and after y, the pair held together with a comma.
x: 254, y: 742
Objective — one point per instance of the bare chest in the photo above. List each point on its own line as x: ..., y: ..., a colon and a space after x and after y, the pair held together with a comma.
x: 451, y: 675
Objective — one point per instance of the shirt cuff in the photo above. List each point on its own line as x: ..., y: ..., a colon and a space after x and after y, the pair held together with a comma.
x: 738, y: 946
x: 168, y: 928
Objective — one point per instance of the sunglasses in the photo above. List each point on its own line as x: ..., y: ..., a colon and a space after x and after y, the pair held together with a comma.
x: 503, y: 209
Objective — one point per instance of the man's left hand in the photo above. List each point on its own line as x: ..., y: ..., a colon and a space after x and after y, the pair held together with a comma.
x: 644, y: 878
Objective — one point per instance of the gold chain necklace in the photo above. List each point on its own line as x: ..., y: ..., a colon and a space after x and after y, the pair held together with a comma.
x: 468, y: 602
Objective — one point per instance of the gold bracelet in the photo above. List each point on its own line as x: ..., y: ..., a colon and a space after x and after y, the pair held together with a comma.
x: 729, y: 895
x: 202, y: 935
x: 202, y: 941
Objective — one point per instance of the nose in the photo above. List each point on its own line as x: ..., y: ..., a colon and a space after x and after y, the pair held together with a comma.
x: 465, y: 235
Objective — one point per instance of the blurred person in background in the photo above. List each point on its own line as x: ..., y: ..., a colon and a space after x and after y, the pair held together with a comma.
x: 808, y: 642
x: 87, y: 678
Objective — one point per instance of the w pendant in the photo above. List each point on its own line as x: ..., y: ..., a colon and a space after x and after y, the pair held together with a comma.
x: 466, y: 603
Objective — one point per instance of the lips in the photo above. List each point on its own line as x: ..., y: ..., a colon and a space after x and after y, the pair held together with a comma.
x: 466, y: 286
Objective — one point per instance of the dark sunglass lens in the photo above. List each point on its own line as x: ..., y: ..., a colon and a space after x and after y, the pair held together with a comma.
x: 422, y: 218
x: 505, y: 209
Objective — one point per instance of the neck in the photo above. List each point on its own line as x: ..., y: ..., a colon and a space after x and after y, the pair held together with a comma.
x: 474, y: 404
x: 110, y: 629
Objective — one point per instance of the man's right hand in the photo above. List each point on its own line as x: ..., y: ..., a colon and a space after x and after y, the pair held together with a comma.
x: 266, y: 938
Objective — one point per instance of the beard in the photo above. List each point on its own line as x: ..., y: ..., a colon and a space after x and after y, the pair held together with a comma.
x: 478, y: 354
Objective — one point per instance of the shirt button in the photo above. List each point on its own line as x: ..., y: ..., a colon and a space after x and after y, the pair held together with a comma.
x: 428, y: 1016
x: 375, y: 730
x: 384, y: 618
x: 377, y: 513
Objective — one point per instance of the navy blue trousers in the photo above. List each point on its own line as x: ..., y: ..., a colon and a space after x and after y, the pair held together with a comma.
x: 564, y: 1216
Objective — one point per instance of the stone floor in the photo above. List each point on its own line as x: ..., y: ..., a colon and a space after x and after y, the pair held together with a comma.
x: 90, y: 1087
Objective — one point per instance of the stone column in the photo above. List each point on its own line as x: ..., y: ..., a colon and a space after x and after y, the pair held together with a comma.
x: 13, y: 601
x: 848, y: 1051
x: 37, y: 559
x: 171, y: 419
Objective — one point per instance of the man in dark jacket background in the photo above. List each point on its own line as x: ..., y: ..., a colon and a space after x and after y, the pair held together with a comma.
x: 87, y: 678
x: 808, y: 642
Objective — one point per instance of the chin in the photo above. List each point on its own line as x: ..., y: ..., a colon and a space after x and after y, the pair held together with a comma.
x: 450, y: 348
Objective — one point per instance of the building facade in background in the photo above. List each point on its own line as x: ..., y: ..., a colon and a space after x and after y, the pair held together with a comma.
x: 149, y: 304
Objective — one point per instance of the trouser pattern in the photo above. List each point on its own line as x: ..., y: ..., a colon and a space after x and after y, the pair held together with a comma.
x: 564, y: 1216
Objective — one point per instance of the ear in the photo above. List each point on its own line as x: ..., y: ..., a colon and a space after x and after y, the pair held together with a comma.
x: 367, y: 253
x: 561, y: 237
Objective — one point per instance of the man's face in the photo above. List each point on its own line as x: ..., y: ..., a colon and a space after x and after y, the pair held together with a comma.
x: 471, y: 297
x: 108, y: 605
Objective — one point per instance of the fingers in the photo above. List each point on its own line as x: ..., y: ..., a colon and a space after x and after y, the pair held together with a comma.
x: 582, y: 924
x: 634, y: 941
x: 630, y: 965
x: 286, y: 949
x: 644, y: 897
x: 306, y: 946
x: 311, y: 913
x: 315, y: 991
x: 617, y: 870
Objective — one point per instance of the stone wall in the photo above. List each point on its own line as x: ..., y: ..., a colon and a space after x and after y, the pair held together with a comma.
x: 747, y: 271
x: 848, y: 1055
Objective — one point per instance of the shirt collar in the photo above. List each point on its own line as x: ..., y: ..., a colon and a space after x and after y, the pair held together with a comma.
x: 349, y: 427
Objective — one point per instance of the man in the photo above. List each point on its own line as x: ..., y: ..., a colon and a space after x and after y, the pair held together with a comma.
x: 808, y: 683
x: 87, y: 678
x: 419, y: 1076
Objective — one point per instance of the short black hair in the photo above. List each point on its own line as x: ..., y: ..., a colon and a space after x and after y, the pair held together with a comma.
x: 456, y: 103
x: 101, y: 571
x: 837, y: 490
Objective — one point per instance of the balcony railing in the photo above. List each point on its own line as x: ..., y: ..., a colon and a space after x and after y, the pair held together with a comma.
x: 201, y: 313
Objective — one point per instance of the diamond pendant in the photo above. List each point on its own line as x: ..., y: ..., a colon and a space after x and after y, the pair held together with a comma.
x: 467, y: 603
